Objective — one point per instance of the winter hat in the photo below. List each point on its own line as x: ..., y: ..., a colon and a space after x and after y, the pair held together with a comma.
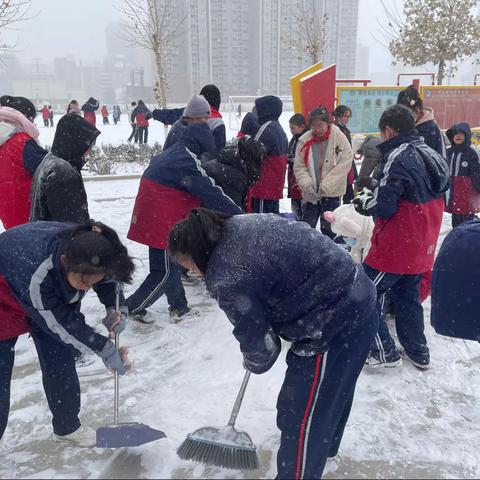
x: 22, y: 104
x: 212, y: 95
x: 198, y: 138
x: 197, y: 107
x: 73, y: 137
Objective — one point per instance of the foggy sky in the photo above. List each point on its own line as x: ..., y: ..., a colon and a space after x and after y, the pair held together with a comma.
x: 72, y: 27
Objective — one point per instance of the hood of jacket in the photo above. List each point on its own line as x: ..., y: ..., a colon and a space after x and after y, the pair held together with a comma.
x: 250, y: 124
x: 436, y: 167
x: 460, y: 128
x: 268, y: 108
x: 73, y: 138
x: 198, y: 138
x: 6, y: 131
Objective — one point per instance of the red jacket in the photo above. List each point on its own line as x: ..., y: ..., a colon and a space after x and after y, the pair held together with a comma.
x: 13, y: 319
x: 45, y: 113
x: 104, y: 112
x: 90, y: 117
x: 20, y: 155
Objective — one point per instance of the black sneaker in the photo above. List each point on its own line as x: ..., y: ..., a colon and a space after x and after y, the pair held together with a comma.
x: 142, y: 316
x: 387, y: 361
x: 181, y: 314
x: 420, y: 364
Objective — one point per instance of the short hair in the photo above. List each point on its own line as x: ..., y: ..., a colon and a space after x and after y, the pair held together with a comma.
x: 410, y: 98
x: 320, y: 113
x: 397, y: 117
x: 342, y: 110
x: 298, y: 119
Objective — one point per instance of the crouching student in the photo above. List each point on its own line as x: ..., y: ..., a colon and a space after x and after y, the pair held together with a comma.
x: 463, y: 198
x: 274, y: 279
x: 42, y: 284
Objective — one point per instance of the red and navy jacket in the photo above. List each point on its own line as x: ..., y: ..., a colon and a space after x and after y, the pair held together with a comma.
x: 293, y: 191
x: 140, y: 115
x: 407, y: 206
x: 88, y: 109
x: 173, y: 184
x: 20, y: 156
x: 464, y: 162
x: 456, y: 283
x: 33, y: 285
x: 271, y: 134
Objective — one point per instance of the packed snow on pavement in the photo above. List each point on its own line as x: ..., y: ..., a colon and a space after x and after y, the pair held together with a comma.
x: 404, y: 423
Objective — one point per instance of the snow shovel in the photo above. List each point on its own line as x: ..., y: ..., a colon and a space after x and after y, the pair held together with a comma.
x: 131, y: 434
x: 223, y: 447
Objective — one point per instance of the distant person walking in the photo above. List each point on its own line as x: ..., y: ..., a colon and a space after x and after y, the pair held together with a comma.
x: 132, y: 123
x: 140, y: 116
x: 45, y: 115
x: 116, y: 114
x: 89, y: 108
x: 50, y: 115
x: 104, y: 113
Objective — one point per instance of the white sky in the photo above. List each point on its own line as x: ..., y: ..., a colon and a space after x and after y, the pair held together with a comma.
x: 66, y: 27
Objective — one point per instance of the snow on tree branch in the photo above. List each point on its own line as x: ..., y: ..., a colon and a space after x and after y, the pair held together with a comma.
x: 11, y: 12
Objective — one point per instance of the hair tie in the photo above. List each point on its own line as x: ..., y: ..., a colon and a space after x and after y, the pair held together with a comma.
x: 412, y: 102
x: 96, y: 229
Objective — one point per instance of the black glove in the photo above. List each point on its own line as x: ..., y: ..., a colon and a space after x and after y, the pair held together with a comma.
x: 148, y: 116
x: 360, y: 202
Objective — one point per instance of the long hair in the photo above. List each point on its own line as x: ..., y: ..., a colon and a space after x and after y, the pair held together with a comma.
x: 197, y: 236
x: 92, y: 247
x: 410, y: 98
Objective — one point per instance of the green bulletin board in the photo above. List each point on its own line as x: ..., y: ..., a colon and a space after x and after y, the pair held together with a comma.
x: 367, y: 105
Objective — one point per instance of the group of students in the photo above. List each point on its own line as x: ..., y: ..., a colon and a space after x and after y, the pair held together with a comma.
x: 275, y: 278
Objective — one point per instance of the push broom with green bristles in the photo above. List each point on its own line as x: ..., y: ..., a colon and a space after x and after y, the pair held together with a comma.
x: 222, y: 447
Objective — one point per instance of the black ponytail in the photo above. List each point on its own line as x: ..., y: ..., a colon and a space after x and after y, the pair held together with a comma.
x: 92, y: 247
x: 410, y: 98
x: 197, y: 236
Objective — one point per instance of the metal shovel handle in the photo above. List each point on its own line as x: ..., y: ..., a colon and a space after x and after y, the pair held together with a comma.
x: 238, y: 401
x: 116, y: 392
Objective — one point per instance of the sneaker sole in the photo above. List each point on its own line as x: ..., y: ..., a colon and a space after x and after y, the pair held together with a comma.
x: 396, y: 364
x: 418, y: 366
x: 67, y: 441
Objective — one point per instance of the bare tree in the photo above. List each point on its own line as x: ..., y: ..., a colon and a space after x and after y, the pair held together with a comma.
x: 442, y: 32
x: 150, y: 24
x: 311, y: 35
x: 11, y: 12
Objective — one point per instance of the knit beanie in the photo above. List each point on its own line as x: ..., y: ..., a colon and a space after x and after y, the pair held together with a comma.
x: 212, y: 94
x: 197, y: 107
x: 21, y: 104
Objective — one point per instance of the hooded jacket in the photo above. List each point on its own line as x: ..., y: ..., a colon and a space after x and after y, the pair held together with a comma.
x: 33, y: 284
x: 464, y: 163
x: 88, y: 109
x: 276, y: 278
x: 335, y: 169
x: 173, y: 184
x: 140, y: 115
x: 456, y: 283
x: 58, y: 192
x: 428, y: 129
x: 271, y: 134
x: 20, y: 156
x: 407, y: 206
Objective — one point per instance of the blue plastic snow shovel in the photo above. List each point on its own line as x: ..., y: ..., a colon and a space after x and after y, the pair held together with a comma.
x: 131, y: 434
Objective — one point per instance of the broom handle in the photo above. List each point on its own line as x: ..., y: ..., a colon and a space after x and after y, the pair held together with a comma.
x: 238, y: 401
x: 116, y: 393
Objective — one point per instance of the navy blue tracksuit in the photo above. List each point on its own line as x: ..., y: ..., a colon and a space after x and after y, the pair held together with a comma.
x: 276, y: 278
x: 33, y: 273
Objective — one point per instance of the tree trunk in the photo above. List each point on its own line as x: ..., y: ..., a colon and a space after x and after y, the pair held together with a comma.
x: 441, y: 72
x: 161, y: 80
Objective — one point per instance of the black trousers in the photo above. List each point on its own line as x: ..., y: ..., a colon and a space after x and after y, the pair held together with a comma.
x: 141, y: 135
x: 59, y: 377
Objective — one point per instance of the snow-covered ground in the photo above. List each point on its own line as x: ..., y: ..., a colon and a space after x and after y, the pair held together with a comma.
x: 404, y: 423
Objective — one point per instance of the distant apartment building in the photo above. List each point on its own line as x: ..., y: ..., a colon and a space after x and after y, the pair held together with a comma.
x: 241, y: 45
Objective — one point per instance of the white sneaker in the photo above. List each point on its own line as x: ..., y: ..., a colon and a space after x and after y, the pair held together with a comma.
x: 84, y: 437
x: 179, y: 315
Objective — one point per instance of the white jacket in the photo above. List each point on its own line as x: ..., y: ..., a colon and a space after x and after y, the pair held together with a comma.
x: 337, y: 165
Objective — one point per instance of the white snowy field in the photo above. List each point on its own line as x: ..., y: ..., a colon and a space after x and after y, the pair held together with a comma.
x: 404, y: 423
